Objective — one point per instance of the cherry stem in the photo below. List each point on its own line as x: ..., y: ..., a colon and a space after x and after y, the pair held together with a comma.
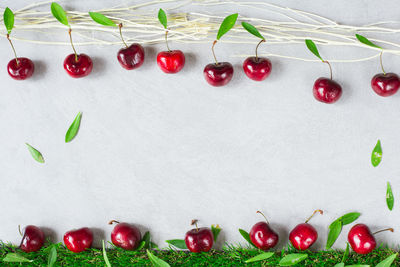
x: 19, y: 230
x: 262, y: 40
x: 312, y: 215
x: 330, y: 67
x: 263, y: 216
x: 212, y: 49
x: 194, y: 222
x: 380, y: 58
x: 383, y: 230
x: 113, y: 221
x: 73, y: 48
x: 12, y: 46
x: 166, y: 40
x: 120, y: 33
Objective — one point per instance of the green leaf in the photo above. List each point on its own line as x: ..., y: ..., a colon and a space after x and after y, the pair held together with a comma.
x: 8, y: 18
x: 364, y: 40
x: 292, y: 259
x: 157, y: 262
x: 74, y: 128
x: 35, y: 153
x: 146, y: 240
x: 376, y: 156
x: 260, y: 257
x: 179, y: 243
x: 162, y: 17
x: 388, y: 261
x: 389, y: 197
x: 253, y: 30
x: 142, y: 244
x: 246, y: 236
x: 349, y: 217
x: 108, y: 264
x: 226, y: 25
x: 101, y: 19
x: 52, y: 258
x: 215, y: 230
x: 340, y: 264
x: 59, y: 13
x: 358, y: 265
x: 313, y: 48
x: 152, y: 245
x: 14, y: 257
x: 334, y: 231
x: 346, y: 252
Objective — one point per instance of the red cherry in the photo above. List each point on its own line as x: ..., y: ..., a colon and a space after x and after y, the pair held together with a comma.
x: 131, y: 57
x: 218, y: 74
x: 199, y: 240
x: 304, y: 235
x: 125, y: 236
x: 385, y: 84
x: 361, y: 240
x: 327, y: 90
x: 78, y: 68
x: 78, y: 240
x: 33, y: 239
x: 171, y: 61
x: 257, y: 68
x: 263, y: 236
x: 21, y: 70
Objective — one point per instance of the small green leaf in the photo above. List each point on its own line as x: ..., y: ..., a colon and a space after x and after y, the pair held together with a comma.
x: 179, y: 243
x: 74, y: 128
x: 246, y: 236
x: 8, y: 18
x: 388, y: 261
x: 108, y: 264
x: 346, y: 252
x: 146, y: 240
x: 52, y: 258
x: 59, y: 13
x: 253, y: 30
x: 364, y: 40
x: 292, y: 259
x: 334, y: 231
x: 215, y: 230
x: 313, y: 48
x: 376, y: 156
x: 101, y: 19
x: 157, y: 262
x: 389, y: 197
x: 162, y: 17
x: 349, y: 217
x: 142, y: 244
x: 340, y: 264
x: 260, y: 257
x: 14, y: 257
x: 226, y: 25
x: 35, y: 153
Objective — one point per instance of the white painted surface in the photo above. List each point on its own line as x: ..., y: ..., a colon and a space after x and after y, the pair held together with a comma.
x: 159, y: 150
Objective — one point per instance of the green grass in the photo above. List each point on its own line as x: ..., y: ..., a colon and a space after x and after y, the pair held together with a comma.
x: 229, y: 256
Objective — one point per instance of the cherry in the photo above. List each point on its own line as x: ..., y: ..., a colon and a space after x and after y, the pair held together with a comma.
x: 257, y: 68
x: 327, y: 90
x: 131, y: 57
x: 19, y: 68
x: 361, y: 240
x: 32, y: 240
x: 125, y: 236
x: 78, y: 240
x: 304, y: 235
x: 385, y: 84
x: 262, y: 235
x: 199, y: 239
x: 171, y: 61
x: 218, y: 73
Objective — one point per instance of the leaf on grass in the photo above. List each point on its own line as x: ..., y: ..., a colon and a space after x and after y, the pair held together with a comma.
x: 313, y: 48
x: 358, y: 265
x: 365, y: 41
x: 145, y: 241
x: 349, y: 217
x: 246, y: 236
x: 14, y: 257
x: 260, y: 257
x: 162, y: 17
x: 292, y: 259
x: 340, y: 264
x: 346, y: 252
x: 226, y: 25
x: 157, y: 262
x: 74, y: 128
x: 178, y: 243
x: 334, y: 231
x: 253, y: 30
x: 389, y: 197
x: 35, y: 153
x: 108, y: 264
x: 101, y: 19
x: 142, y: 244
x: 215, y: 230
x: 8, y: 18
x: 152, y: 245
x: 388, y: 261
x: 59, y: 13
x: 52, y: 258
x: 376, y: 155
